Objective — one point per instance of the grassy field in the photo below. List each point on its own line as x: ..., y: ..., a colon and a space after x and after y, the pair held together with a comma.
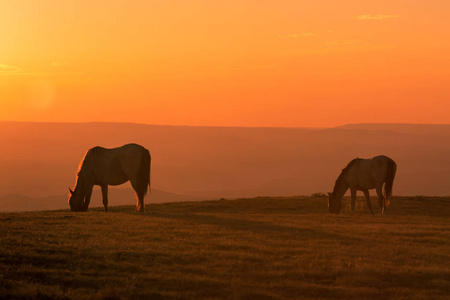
x: 261, y: 248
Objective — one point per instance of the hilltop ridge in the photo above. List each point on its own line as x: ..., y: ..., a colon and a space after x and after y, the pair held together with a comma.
x: 40, y: 159
x: 263, y: 248
x: 422, y: 129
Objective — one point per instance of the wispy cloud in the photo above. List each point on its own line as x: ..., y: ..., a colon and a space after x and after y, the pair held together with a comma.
x: 375, y: 17
x: 342, y: 43
x: 58, y: 64
x: 8, y: 69
x: 296, y: 35
x: 16, y: 71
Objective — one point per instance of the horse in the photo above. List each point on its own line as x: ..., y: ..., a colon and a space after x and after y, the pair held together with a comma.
x: 363, y: 175
x: 103, y: 167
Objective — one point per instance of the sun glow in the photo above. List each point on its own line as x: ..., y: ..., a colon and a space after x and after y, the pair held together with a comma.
x: 284, y: 63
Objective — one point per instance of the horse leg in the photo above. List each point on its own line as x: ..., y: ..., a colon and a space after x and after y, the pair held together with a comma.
x: 380, y: 198
x: 105, y: 196
x: 353, y: 193
x: 140, y: 206
x: 139, y: 195
x: 88, y: 197
x: 369, y: 205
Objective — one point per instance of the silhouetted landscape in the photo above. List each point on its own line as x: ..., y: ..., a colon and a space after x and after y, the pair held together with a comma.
x: 38, y: 160
x: 303, y: 150
x: 260, y: 248
x: 280, y: 246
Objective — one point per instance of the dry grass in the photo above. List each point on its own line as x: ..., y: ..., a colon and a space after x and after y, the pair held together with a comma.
x: 265, y: 248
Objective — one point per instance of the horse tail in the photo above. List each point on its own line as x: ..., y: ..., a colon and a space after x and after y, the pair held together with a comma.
x: 144, y: 172
x: 390, y: 175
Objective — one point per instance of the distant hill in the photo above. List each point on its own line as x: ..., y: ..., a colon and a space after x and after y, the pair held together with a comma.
x: 116, y: 196
x: 40, y: 159
x: 421, y: 129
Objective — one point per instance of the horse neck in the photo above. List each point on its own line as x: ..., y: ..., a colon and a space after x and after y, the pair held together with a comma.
x: 340, y: 188
x: 79, y: 185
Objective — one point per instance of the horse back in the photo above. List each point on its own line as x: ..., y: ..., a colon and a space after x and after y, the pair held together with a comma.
x: 115, y: 165
x: 359, y: 174
x: 383, y: 167
x: 368, y: 173
x: 130, y: 157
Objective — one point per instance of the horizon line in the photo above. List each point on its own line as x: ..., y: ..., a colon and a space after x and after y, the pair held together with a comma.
x: 221, y: 126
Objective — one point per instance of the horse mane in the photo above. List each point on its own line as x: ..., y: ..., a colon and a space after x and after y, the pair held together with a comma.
x: 81, y: 164
x: 345, y: 170
x: 91, y: 151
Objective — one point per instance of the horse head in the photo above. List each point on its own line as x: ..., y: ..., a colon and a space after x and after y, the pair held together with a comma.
x: 76, y: 201
x: 334, y: 205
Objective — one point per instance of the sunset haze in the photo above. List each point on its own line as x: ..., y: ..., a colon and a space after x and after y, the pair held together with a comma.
x: 212, y: 149
x: 234, y: 63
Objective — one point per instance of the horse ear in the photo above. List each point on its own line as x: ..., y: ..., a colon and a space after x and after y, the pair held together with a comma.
x: 70, y: 191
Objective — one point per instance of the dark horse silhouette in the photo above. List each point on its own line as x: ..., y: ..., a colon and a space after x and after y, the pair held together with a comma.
x: 103, y: 167
x: 363, y: 175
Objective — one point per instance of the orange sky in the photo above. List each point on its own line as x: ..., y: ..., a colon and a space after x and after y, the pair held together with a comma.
x: 225, y: 63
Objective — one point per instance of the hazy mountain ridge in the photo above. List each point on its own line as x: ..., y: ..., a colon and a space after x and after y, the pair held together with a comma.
x: 415, y: 129
x: 40, y: 159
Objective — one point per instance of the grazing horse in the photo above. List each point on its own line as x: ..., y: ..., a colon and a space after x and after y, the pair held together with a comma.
x: 103, y: 167
x: 363, y: 175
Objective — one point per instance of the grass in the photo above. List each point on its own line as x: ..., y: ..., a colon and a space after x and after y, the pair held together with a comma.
x: 265, y: 248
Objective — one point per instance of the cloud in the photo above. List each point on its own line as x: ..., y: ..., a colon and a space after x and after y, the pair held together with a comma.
x: 375, y: 17
x: 342, y: 43
x: 8, y: 69
x: 58, y: 64
x: 296, y: 35
x: 16, y: 71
